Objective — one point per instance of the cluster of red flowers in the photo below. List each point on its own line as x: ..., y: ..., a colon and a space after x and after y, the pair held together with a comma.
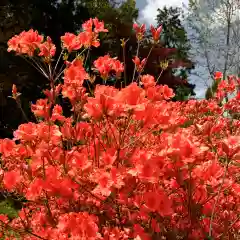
x: 140, y: 32
x: 128, y: 164
x: 28, y: 42
x: 139, y: 64
x: 107, y: 64
x: 87, y: 38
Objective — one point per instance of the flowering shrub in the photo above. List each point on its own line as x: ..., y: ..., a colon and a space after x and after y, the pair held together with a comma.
x: 129, y: 163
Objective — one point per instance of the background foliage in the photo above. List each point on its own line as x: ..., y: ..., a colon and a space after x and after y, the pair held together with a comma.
x: 54, y: 18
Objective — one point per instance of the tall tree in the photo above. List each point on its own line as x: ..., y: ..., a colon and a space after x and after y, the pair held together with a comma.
x: 120, y: 22
x: 173, y: 32
x: 214, y: 27
x: 174, y: 37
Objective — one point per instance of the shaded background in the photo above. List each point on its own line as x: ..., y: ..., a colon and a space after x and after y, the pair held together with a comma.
x: 53, y: 18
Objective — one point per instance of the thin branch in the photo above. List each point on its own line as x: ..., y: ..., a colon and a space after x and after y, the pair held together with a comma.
x: 135, y: 67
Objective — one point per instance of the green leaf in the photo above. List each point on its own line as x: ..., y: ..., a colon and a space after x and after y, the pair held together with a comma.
x: 6, y: 208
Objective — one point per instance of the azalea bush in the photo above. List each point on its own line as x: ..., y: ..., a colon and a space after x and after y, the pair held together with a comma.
x: 128, y: 163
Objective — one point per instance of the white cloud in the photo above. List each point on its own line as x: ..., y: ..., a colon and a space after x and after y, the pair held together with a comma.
x: 149, y: 12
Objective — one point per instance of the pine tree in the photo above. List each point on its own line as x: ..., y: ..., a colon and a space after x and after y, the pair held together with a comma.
x: 174, y: 50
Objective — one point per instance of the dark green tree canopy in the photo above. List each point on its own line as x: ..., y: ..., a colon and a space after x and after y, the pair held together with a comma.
x: 55, y: 17
x: 175, y: 36
x: 51, y: 18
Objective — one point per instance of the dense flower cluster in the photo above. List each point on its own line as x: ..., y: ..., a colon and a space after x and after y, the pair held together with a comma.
x: 106, y: 64
x: 87, y: 38
x: 25, y: 42
x: 128, y: 164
